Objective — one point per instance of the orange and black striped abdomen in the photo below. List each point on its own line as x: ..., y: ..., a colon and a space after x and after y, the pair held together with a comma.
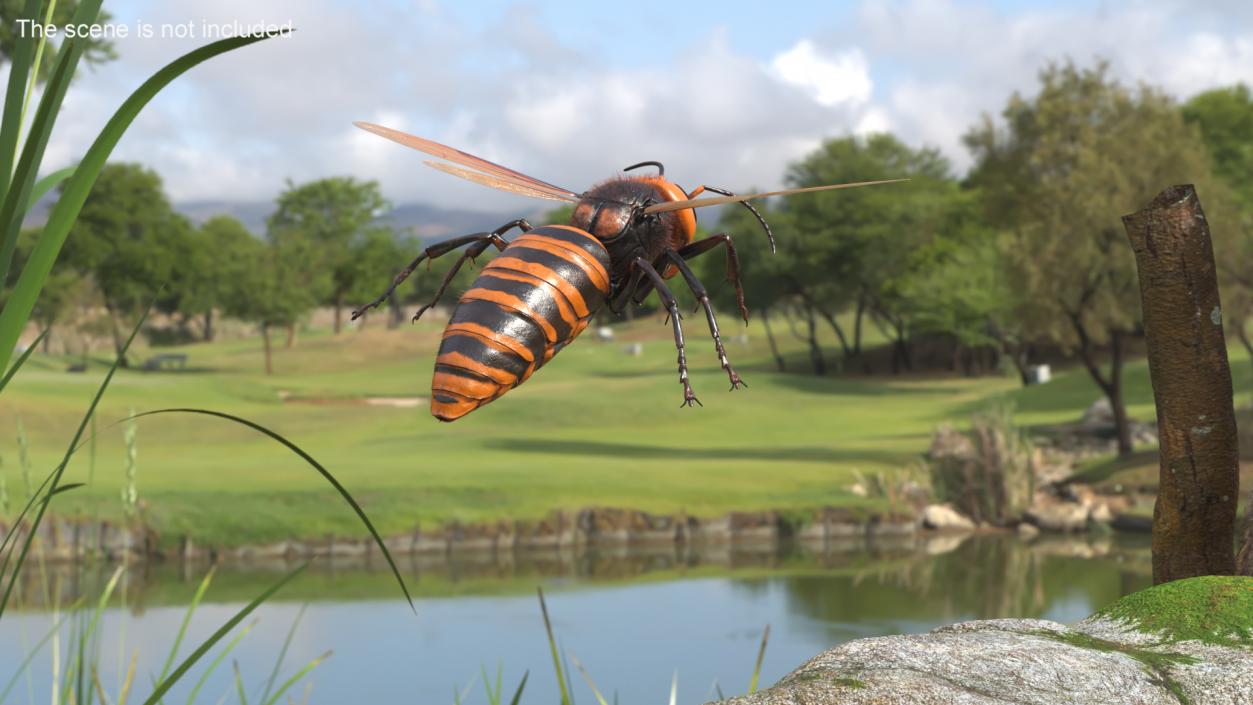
x: 526, y: 304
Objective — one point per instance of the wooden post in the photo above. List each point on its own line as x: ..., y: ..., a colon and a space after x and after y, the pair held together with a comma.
x: 1194, y: 518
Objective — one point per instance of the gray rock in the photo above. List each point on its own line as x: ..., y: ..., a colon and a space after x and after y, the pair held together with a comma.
x: 1027, y: 531
x: 1098, y: 416
x: 943, y: 516
x: 1019, y: 661
x: 1058, y: 516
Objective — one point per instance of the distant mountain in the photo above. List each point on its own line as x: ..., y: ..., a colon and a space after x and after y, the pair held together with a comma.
x: 428, y: 222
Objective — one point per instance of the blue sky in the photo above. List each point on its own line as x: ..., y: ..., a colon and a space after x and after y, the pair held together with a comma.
x: 727, y: 93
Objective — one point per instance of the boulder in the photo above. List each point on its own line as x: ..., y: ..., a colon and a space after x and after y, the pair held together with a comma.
x: 1027, y: 531
x: 1098, y: 417
x: 1058, y: 516
x: 1190, y: 641
x: 943, y: 516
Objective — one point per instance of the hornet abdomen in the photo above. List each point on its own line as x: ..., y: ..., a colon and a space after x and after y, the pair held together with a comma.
x: 529, y: 302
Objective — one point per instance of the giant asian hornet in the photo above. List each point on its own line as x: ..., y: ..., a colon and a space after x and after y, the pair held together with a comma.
x: 628, y: 236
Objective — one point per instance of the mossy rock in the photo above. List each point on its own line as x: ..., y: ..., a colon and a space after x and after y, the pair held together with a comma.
x: 1188, y: 642
x: 1214, y: 609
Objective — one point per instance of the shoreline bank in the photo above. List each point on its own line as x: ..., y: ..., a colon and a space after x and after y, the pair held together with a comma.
x: 65, y: 539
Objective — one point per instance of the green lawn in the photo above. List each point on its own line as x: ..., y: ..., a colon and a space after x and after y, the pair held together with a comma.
x: 595, y: 427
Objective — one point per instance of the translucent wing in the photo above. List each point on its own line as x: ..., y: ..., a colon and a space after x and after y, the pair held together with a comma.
x: 456, y: 156
x: 702, y: 202
x: 496, y: 182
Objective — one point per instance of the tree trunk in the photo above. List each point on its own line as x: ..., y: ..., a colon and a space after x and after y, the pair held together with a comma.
x: 774, y: 347
x: 858, y: 318
x: 1244, y: 560
x: 118, y: 342
x: 396, y: 314
x: 1018, y: 354
x: 845, y: 350
x: 1112, y: 387
x: 208, y: 326
x: 339, y: 312
x: 815, y: 350
x: 1199, y: 481
x: 265, y: 341
x: 1121, y: 423
x: 291, y: 335
x: 901, y: 355
x: 47, y: 341
x: 1243, y: 335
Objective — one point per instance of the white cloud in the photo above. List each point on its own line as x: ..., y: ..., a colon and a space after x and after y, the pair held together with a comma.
x: 238, y: 126
x: 830, y: 81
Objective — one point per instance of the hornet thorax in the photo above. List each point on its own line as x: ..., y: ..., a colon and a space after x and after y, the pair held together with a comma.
x: 613, y: 212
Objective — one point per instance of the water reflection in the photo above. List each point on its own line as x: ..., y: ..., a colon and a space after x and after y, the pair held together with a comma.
x: 633, y: 616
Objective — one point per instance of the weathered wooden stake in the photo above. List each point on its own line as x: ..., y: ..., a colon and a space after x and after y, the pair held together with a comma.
x: 1194, y: 518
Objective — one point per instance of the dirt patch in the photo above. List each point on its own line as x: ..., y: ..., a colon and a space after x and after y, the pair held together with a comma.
x: 394, y: 402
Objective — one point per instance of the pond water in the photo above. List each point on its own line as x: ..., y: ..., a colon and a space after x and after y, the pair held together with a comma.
x: 632, y: 619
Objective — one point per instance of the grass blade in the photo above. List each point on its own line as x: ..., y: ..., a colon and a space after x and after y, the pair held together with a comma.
x: 674, y: 688
x: 99, y: 687
x: 46, y: 184
x: 35, y: 498
x: 343, y: 492
x: 239, y: 684
x: 67, y: 487
x: 552, y: 644
x: 588, y: 677
x: 517, y: 694
x: 4, y: 381
x: 493, y: 696
x: 127, y: 682
x: 569, y: 677
x: 31, y: 653
x: 18, y: 195
x: 56, y: 474
x: 34, y: 71
x: 222, y: 631
x: 295, y: 677
x: 19, y: 68
x: 22, y: 299
x: 182, y: 629
x: 217, y: 661
x: 78, y: 669
x: 761, y: 654
x: 278, y: 662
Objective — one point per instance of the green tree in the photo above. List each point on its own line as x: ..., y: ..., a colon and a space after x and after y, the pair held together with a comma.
x: 333, y: 215
x: 96, y: 51
x: 1224, y: 117
x: 268, y: 286
x: 63, y: 291
x: 1057, y: 176
x: 126, y: 238
x: 209, y: 271
x: 851, y: 249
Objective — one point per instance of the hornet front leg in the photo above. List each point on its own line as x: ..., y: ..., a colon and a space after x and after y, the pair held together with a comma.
x: 479, y: 243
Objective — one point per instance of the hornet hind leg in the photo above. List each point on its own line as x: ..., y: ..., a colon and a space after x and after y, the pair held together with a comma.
x: 703, y: 297
x: 672, y: 306
x: 679, y: 258
x: 479, y: 241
